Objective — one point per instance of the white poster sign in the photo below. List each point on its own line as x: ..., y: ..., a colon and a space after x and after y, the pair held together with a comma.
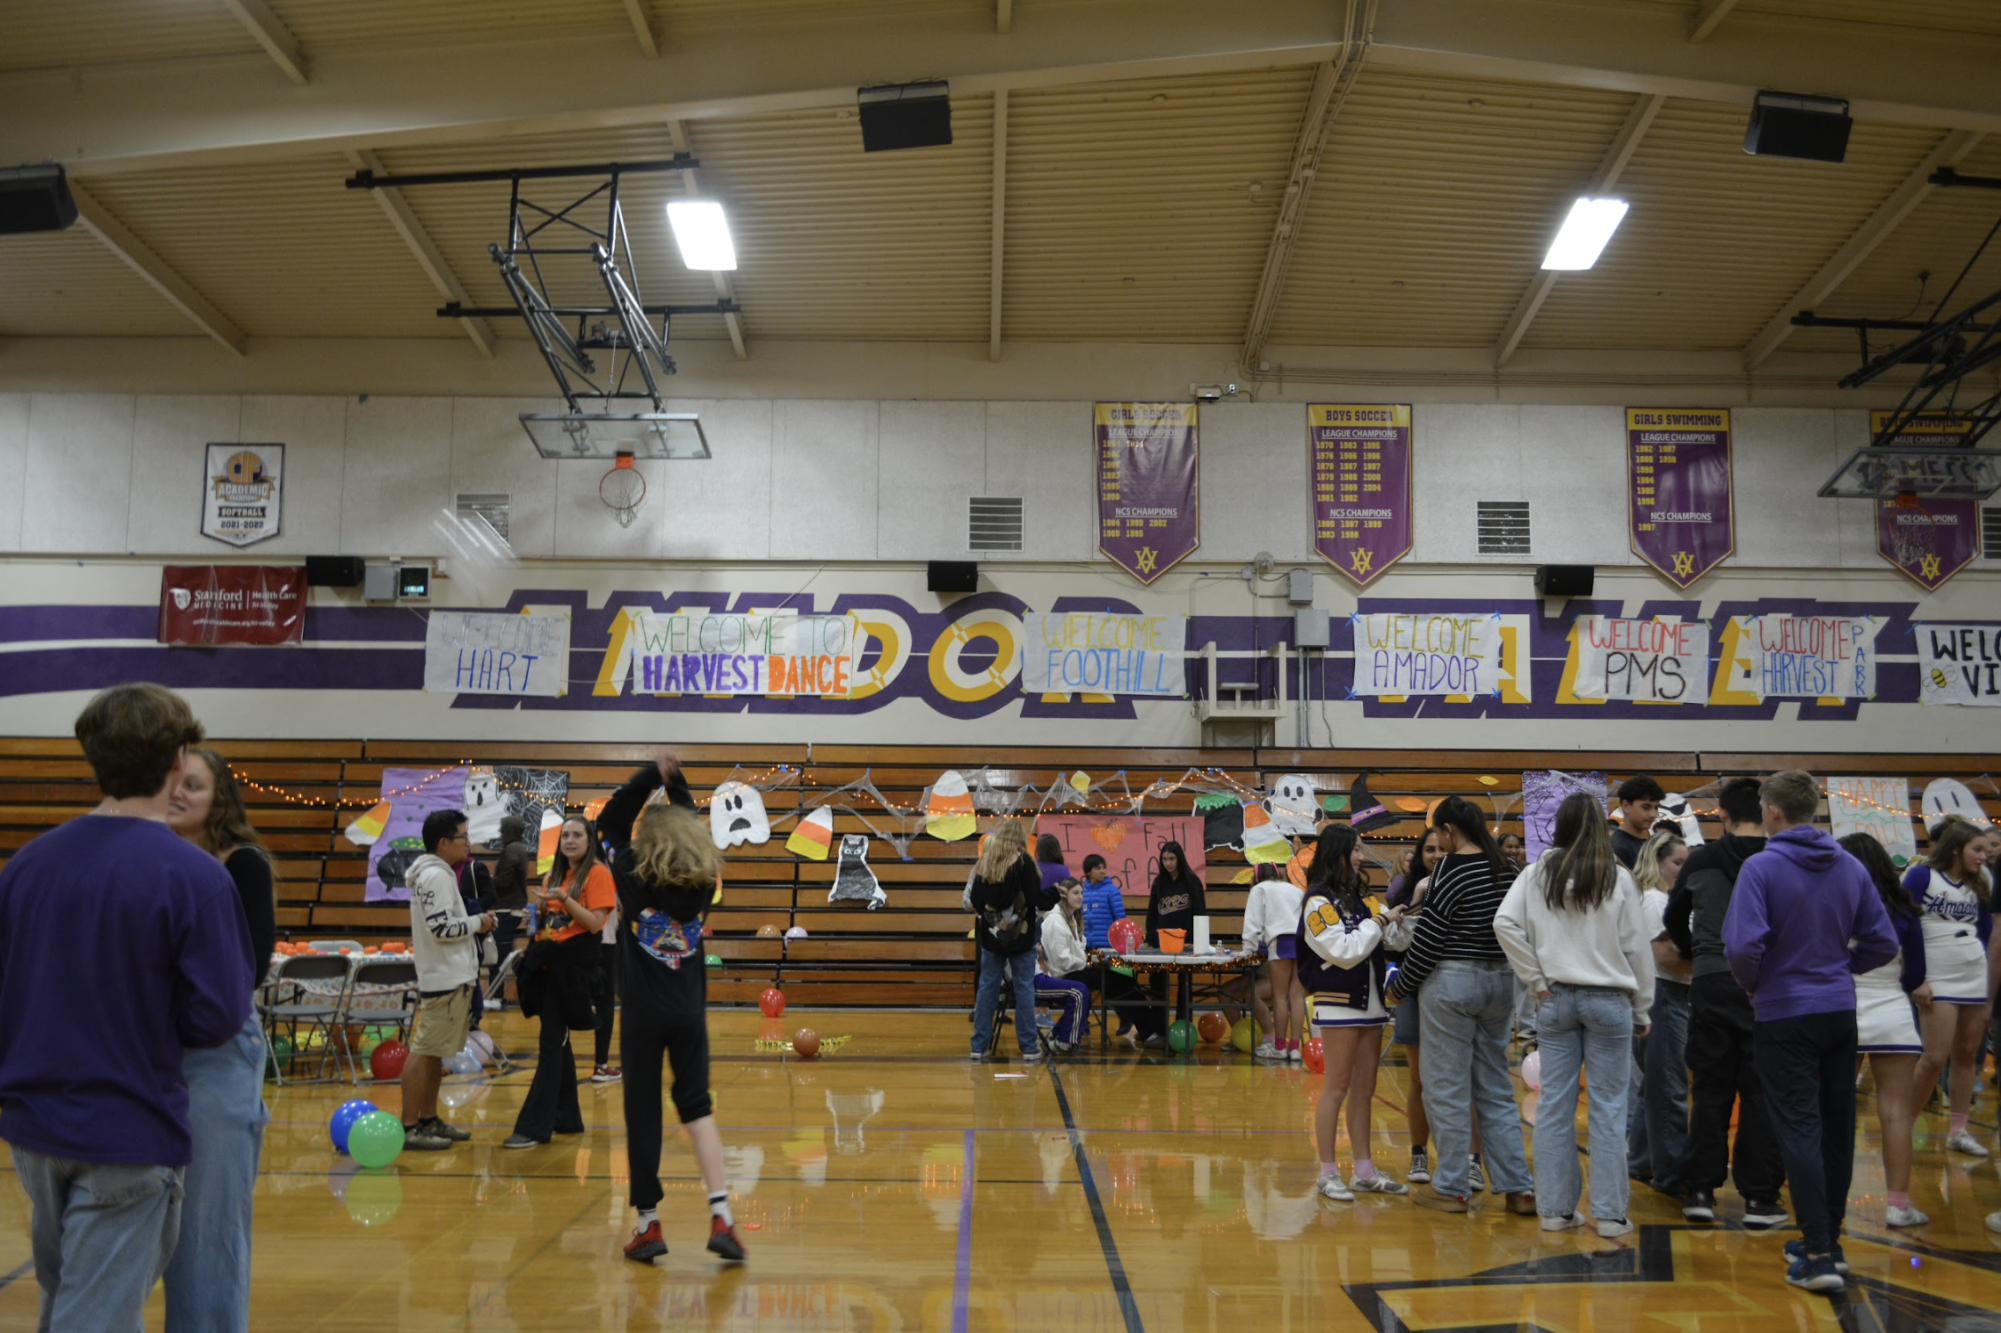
x: 471, y: 652
x: 1427, y: 653
x: 1880, y: 807
x: 242, y: 494
x: 1959, y: 664
x: 1648, y: 661
x: 733, y: 653
x: 1092, y: 653
x: 1812, y: 657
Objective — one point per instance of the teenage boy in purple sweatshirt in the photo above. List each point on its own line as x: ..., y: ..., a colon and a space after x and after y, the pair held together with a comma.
x: 120, y: 943
x: 1797, y: 905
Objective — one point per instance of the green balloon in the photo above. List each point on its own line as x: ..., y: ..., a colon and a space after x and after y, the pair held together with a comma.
x: 1181, y: 1037
x: 281, y: 1050
x: 375, y: 1140
x: 373, y: 1197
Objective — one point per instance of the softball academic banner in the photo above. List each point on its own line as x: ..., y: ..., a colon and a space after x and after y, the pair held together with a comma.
x: 1959, y: 664
x: 1359, y: 471
x: 1927, y: 540
x: 1104, y: 654
x: 243, y: 492
x: 1646, y: 661
x: 256, y: 605
x: 1678, y: 482
x: 1149, y: 505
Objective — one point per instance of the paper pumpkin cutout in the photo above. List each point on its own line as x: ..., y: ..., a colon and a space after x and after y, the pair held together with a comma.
x: 546, y: 839
x: 1294, y: 805
x: 1365, y: 812
x: 1262, y: 840
x: 1108, y: 836
x: 1948, y: 797
x: 364, y: 831
x: 1675, y: 806
x: 853, y: 880
x: 948, y: 812
x: 814, y: 837
x: 736, y: 816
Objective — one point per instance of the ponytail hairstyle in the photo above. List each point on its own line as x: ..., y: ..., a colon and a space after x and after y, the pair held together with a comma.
x: 1949, y: 843
x: 1332, y: 871
x: 1580, y: 872
x: 1464, y: 818
x: 1883, y: 871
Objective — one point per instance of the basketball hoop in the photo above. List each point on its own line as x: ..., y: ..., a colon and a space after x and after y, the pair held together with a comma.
x: 622, y: 488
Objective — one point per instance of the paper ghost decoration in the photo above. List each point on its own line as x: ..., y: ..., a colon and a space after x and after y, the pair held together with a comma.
x: 853, y: 880
x: 948, y: 812
x: 1262, y: 840
x: 1222, y: 819
x: 1676, y: 807
x: 483, y: 806
x: 814, y: 837
x: 736, y: 816
x: 1294, y: 805
x: 1948, y: 797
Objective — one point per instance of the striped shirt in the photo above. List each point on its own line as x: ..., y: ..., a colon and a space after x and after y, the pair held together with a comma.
x: 1457, y: 921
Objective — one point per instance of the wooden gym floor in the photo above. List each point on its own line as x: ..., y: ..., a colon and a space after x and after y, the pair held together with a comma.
x: 891, y: 1185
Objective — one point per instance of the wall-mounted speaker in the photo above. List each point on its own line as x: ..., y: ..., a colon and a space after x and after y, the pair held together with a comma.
x: 334, y: 571
x: 35, y: 199
x: 905, y: 115
x: 1794, y: 125
x: 1564, y: 580
x: 952, y: 576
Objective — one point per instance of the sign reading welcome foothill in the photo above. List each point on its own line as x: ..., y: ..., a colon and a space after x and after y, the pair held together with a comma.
x: 1359, y: 470
x: 243, y: 491
x: 1678, y: 489
x: 1148, y: 497
x: 1927, y: 540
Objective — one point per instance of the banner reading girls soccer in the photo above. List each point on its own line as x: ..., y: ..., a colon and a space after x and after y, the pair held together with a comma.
x: 1148, y: 501
x: 1927, y: 540
x: 1678, y: 481
x: 1359, y: 467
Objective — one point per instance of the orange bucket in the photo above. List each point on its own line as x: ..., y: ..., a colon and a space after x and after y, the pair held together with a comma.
x: 1173, y: 941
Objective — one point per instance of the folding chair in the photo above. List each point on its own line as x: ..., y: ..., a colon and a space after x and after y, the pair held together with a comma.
x: 353, y: 947
x: 381, y: 991
x: 307, y: 993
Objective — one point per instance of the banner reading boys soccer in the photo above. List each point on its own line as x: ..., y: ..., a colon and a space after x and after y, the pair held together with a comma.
x: 1927, y: 540
x: 1402, y: 654
x: 703, y: 652
x: 1678, y: 480
x: 1649, y: 661
x: 1103, y: 654
x: 1148, y: 500
x: 1359, y: 467
x: 1959, y: 664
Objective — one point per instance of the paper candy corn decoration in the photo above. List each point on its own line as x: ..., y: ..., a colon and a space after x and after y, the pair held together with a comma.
x: 552, y: 831
x: 948, y: 814
x: 1262, y: 840
x: 814, y: 837
x: 596, y: 808
x: 364, y: 831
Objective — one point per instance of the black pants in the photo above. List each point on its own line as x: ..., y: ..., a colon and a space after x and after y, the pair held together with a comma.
x: 643, y: 1040
x: 551, y: 1104
x: 1723, y: 1072
x: 607, y: 986
x: 1120, y: 992
x: 1808, y: 1065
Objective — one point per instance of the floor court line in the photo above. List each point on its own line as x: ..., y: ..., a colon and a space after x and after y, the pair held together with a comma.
x: 1128, y: 1308
x: 962, y: 1276
x: 9, y: 1279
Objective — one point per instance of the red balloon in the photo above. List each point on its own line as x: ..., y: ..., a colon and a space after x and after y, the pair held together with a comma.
x: 1126, y: 935
x: 772, y: 1003
x: 805, y: 1043
x: 1313, y: 1055
x: 386, y: 1060
x: 1212, y: 1027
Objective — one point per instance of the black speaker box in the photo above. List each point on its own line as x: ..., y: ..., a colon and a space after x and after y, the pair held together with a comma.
x: 952, y: 576
x: 905, y: 116
x: 334, y: 571
x: 35, y: 199
x: 1782, y: 127
x: 1564, y: 580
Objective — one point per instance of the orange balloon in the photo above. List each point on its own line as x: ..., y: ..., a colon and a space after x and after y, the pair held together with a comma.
x: 1212, y: 1027
x: 805, y: 1043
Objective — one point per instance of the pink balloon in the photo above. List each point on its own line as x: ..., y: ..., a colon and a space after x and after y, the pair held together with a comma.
x: 1532, y: 1069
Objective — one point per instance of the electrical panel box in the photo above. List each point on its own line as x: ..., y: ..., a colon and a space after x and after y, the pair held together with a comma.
x: 1310, y: 628
x: 378, y: 583
x: 1299, y: 587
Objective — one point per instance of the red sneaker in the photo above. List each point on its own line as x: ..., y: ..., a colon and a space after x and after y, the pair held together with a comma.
x: 722, y: 1241
x: 646, y: 1244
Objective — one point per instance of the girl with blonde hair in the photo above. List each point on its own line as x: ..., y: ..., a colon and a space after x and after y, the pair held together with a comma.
x: 1008, y: 899
x: 1954, y: 894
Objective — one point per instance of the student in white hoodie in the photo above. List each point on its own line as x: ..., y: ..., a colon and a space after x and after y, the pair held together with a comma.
x: 1575, y: 930
x: 443, y: 944
x: 1271, y: 926
x: 1062, y: 979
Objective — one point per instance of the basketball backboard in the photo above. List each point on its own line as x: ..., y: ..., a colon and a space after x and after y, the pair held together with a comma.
x: 1880, y: 471
x: 643, y: 434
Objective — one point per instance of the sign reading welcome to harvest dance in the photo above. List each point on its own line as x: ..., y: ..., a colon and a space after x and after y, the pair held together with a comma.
x: 1360, y: 472
x: 723, y: 653
x: 1678, y: 481
x: 1148, y: 498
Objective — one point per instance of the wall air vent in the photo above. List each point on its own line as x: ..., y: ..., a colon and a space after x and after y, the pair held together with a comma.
x: 1504, y: 527
x: 994, y: 523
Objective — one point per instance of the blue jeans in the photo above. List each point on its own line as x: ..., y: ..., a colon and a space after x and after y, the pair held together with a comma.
x: 208, y: 1282
x: 101, y: 1236
x: 1657, y: 1116
x: 1588, y: 1027
x: 1467, y: 1010
x: 995, y: 970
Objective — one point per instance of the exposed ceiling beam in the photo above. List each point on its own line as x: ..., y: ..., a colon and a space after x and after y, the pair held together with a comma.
x: 1003, y: 15
x: 156, y: 271
x: 271, y: 34
x: 1331, y: 83
x: 997, y: 228
x: 1610, y: 167
x: 423, y: 249
x: 642, y: 28
x: 677, y: 133
x: 1708, y: 17
x: 1903, y: 200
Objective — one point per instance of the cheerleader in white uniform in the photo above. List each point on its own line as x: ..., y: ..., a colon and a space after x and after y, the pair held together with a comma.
x: 1953, y: 892
x: 1886, y: 1029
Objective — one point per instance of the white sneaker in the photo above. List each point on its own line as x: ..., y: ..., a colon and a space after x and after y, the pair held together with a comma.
x: 1479, y: 1182
x: 1295, y: 1053
x: 1330, y: 1187
x: 1966, y: 1143
x: 1611, y: 1228
x: 1378, y: 1184
x: 1994, y: 1221
x: 1563, y: 1223
x: 1265, y: 1051
x: 1903, y: 1217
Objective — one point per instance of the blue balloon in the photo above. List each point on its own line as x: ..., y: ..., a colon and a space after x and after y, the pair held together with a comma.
x: 345, y: 1116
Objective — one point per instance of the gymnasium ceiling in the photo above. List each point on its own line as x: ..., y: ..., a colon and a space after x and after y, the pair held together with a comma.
x: 1122, y: 163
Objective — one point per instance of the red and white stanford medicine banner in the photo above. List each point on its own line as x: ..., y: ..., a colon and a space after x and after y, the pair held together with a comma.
x: 1647, y: 661
x: 243, y: 492
x: 1678, y: 474
x: 1927, y: 540
x: 260, y: 605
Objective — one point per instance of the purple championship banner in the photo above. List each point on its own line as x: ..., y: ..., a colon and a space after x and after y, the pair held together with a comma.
x: 1678, y: 489
x: 1149, y: 506
x: 1359, y: 468
x: 1927, y: 540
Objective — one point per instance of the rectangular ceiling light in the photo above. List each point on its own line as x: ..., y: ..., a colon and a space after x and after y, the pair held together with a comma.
x: 703, y: 234
x: 1585, y: 232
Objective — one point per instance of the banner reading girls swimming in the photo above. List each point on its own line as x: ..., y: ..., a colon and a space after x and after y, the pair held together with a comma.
x: 1399, y: 654
x: 1359, y: 467
x: 1148, y: 500
x: 1927, y: 540
x: 1678, y: 482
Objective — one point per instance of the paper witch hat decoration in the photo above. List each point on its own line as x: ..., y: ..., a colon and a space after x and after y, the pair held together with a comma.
x: 1262, y: 840
x: 948, y: 814
x: 814, y: 837
x: 364, y: 831
x: 1365, y: 812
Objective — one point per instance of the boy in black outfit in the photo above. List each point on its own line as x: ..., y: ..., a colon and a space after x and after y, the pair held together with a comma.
x: 1639, y: 805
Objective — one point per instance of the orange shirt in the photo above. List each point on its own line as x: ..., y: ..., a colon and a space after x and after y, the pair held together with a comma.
x: 599, y: 893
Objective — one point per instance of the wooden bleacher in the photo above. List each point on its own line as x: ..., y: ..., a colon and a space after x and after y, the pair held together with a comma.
x: 912, y: 951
